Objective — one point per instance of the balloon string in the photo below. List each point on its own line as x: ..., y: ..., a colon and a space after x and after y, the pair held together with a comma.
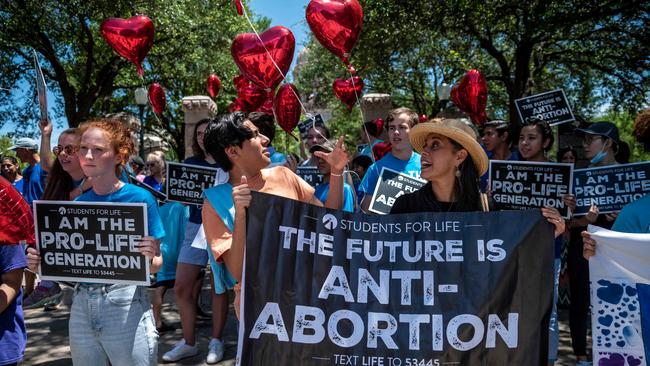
x: 363, y: 118
x: 284, y: 77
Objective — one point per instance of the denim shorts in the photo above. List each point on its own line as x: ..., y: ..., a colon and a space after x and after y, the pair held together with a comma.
x: 188, y: 254
x: 112, y: 323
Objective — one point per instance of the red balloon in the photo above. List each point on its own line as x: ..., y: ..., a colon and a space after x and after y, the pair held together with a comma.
x: 214, y: 84
x: 235, y: 106
x: 240, y: 9
x: 348, y: 91
x: 16, y: 218
x: 131, y: 38
x: 157, y: 98
x: 336, y: 24
x: 267, y: 106
x: 286, y: 106
x: 423, y: 118
x: 240, y: 81
x: 254, y: 61
x: 250, y: 96
x: 470, y: 96
x: 381, y: 149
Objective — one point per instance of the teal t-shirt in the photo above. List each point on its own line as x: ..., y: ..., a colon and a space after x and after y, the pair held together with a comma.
x: 130, y: 193
x: 322, y: 190
x: 634, y: 217
x: 409, y: 167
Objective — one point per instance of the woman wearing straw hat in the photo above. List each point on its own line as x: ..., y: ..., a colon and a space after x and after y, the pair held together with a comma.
x: 452, y: 162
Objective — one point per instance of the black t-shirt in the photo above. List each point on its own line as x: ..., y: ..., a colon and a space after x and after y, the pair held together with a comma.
x: 422, y: 200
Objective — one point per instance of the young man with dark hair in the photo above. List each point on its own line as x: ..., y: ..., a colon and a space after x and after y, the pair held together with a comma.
x: 402, y: 158
x: 266, y: 124
x: 241, y: 150
x: 497, y: 140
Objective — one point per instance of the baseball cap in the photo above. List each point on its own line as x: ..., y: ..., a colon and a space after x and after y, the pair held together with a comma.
x: 326, y: 147
x: 607, y: 129
x: 25, y: 143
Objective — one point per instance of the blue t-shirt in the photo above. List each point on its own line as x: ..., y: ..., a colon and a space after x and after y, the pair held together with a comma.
x: 276, y: 157
x: 13, y: 336
x: 634, y: 217
x: 367, y: 151
x: 195, y: 211
x: 153, y: 183
x: 322, y: 190
x: 409, y: 167
x: 19, y: 185
x: 34, y: 182
x: 514, y: 156
x: 174, y: 216
x: 130, y: 193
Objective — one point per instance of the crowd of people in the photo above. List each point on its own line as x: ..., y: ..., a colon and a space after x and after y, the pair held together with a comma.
x: 98, y: 162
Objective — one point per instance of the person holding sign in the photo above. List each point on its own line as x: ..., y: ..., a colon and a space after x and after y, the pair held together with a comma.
x: 535, y: 140
x: 189, y: 273
x: 401, y: 159
x: 452, y: 162
x: 112, y: 323
x: 236, y: 144
x: 600, y: 146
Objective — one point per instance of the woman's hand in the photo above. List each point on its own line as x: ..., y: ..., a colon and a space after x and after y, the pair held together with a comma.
x: 592, y: 215
x: 149, y: 247
x: 33, y: 259
x: 46, y: 127
x: 611, y: 217
x: 589, y: 247
x: 241, y: 196
x: 570, y: 202
x: 553, y: 216
x: 337, y: 159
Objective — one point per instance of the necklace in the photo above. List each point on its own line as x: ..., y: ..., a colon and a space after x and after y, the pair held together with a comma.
x: 115, y: 188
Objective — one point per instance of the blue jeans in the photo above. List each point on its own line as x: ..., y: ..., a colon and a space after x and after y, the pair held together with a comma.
x: 553, y: 325
x: 112, y: 323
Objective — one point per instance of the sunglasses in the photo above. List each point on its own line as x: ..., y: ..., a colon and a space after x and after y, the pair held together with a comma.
x: 68, y: 149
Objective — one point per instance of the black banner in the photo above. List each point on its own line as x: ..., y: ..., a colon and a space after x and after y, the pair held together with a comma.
x: 390, y: 185
x: 91, y: 241
x: 185, y: 182
x: 310, y: 174
x: 551, y: 107
x: 324, y: 287
x: 520, y: 185
x: 610, y: 187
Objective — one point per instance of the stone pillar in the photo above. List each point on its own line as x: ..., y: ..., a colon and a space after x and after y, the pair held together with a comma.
x: 375, y: 105
x: 196, y: 108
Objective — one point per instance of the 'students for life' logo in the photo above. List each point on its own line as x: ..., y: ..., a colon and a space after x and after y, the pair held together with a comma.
x: 61, y: 210
x: 330, y: 222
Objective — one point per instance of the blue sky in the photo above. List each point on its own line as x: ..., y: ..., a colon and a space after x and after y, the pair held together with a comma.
x: 288, y: 13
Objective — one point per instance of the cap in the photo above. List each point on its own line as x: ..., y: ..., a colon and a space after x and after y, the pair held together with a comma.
x: 496, y: 123
x: 326, y: 147
x: 606, y: 129
x: 25, y: 143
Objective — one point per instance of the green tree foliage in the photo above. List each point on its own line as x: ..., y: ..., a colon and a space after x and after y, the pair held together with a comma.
x: 192, y: 40
x: 597, y: 51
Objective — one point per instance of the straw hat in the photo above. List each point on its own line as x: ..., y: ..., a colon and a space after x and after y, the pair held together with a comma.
x: 455, y: 129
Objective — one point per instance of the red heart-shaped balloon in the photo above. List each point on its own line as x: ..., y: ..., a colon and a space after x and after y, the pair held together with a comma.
x: 286, y: 106
x: 240, y: 81
x: 470, y: 96
x: 235, y: 106
x: 157, y: 98
x: 423, y: 118
x: 214, y: 85
x: 336, y: 24
x: 131, y: 38
x: 255, y: 62
x: 250, y: 96
x: 267, y: 106
x: 348, y: 91
x: 239, y: 7
x: 16, y: 218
